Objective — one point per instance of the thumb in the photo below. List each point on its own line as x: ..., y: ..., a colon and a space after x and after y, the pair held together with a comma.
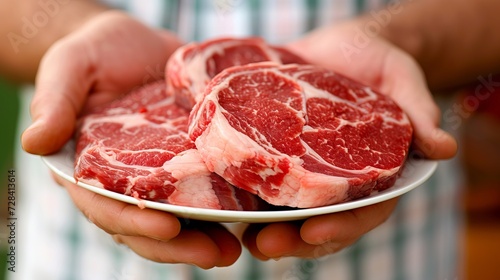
x: 410, y: 91
x: 61, y: 86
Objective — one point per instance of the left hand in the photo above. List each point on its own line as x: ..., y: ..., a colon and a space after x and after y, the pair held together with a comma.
x: 389, y: 70
x: 316, y: 236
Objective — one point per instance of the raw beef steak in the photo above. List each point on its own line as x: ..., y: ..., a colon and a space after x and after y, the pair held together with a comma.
x: 299, y: 135
x: 192, y: 66
x: 139, y: 146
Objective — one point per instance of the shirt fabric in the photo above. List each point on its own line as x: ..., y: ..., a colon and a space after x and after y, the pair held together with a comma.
x: 56, y: 242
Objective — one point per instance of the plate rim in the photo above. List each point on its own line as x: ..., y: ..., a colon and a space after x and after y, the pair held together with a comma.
x: 216, y: 215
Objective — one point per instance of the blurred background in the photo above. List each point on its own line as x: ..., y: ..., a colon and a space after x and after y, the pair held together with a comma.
x: 479, y: 143
x: 480, y: 155
x: 8, y: 117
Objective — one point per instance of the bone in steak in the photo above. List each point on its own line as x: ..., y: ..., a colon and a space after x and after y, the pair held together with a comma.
x: 139, y: 146
x: 192, y: 66
x: 299, y: 135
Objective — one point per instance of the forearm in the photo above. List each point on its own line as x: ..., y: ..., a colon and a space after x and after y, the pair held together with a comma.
x: 454, y: 41
x: 30, y: 27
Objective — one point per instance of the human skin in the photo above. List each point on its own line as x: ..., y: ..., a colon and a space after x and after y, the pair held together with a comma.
x: 408, y: 55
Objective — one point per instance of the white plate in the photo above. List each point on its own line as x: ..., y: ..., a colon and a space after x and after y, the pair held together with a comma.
x: 415, y: 173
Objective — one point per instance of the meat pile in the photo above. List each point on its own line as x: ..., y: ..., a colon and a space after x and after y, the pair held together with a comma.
x: 239, y: 121
x: 139, y: 146
x: 194, y: 65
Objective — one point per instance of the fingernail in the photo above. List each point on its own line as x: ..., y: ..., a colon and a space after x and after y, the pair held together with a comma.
x: 37, y: 125
x: 440, y: 135
x: 30, y: 137
x: 118, y: 240
x: 90, y: 219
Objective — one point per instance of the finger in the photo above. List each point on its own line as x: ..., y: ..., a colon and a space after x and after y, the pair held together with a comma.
x: 229, y: 246
x: 61, y: 86
x: 116, y: 217
x: 346, y: 227
x: 190, y: 246
x: 249, y: 239
x: 409, y: 90
x: 321, y: 235
x: 57, y: 178
x: 74, y: 68
x: 434, y: 143
x: 283, y: 240
x: 394, y: 73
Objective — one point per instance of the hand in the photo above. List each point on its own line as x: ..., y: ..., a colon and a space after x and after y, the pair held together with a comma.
x: 157, y: 235
x: 386, y: 68
x: 104, y: 58
x: 390, y: 71
x: 316, y: 236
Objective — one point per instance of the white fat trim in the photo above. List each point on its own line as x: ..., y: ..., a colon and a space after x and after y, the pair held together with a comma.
x: 186, y: 164
x: 92, y: 182
x: 196, y: 67
x: 128, y: 121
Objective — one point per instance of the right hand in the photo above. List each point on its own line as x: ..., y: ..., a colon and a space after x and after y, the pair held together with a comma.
x: 106, y: 57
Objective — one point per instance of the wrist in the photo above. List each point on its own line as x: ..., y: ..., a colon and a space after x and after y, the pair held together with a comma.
x: 398, y: 24
x: 389, y: 25
x: 32, y: 29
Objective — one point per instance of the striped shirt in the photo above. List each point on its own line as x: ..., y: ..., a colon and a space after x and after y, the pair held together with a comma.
x: 419, y: 241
